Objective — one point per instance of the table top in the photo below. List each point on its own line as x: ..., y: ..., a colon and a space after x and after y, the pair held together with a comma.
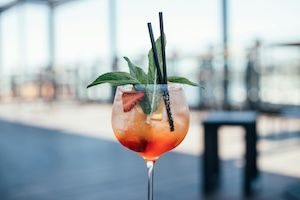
x: 231, y: 118
x: 290, y: 112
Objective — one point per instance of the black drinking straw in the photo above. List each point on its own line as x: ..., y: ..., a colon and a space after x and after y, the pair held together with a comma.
x: 165, y: 78
x: 160, y: 78
x: 163, y: 52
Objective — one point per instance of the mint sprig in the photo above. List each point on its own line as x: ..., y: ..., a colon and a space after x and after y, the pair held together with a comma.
x: 137, y: 75
x: 142, y: 81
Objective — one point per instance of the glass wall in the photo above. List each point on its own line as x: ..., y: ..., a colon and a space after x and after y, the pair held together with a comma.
x: 194, y: 45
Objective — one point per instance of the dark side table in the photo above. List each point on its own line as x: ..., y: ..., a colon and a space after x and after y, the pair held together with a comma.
x: 211, y: 163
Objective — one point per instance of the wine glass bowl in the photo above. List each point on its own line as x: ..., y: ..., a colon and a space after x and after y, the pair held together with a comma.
x: 150, y: 134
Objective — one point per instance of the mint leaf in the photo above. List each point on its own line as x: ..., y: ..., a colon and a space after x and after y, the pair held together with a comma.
x: 152, y: 98
x: 146, y: 104
x: 136, y: 72
x: 182, y: 80
x: 151, y: 64
x: 115, y: 78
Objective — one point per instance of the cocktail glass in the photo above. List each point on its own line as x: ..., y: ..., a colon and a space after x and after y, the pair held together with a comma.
x: 151, y: 135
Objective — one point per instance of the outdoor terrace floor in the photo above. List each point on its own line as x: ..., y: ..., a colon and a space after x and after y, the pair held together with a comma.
x: 57, y: 153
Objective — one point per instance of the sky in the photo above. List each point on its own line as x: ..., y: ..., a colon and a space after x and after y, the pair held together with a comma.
x: 82, y: 29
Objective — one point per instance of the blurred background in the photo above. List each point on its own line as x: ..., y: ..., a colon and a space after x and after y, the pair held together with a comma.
x: 55, y: 135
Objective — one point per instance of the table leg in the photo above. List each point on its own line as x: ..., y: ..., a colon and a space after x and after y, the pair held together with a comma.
x: 251, y: 171
x: 211, y: 158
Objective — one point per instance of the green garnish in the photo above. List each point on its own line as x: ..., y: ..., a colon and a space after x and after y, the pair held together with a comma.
x: 137, y: 74
x: 142, y: 81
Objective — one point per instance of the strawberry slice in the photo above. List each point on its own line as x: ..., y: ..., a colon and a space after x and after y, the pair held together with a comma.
x: 130, y: 99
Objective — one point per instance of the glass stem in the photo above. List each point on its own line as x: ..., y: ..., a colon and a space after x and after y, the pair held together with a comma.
x: 150, y: 167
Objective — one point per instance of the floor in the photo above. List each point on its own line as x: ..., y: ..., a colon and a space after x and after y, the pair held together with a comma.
x: 52, y: 164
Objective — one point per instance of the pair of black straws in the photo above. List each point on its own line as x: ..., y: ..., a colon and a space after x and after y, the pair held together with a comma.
x: 162, y: 77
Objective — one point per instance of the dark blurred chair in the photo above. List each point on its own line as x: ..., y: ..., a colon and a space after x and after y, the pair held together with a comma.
x: 211, y: 166
x: 293, y: 191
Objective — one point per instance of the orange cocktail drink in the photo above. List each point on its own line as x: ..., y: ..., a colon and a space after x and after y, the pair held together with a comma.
x: 150, y: 135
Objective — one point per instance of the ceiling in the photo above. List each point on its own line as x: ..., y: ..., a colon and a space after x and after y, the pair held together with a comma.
x: 6, y: 4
